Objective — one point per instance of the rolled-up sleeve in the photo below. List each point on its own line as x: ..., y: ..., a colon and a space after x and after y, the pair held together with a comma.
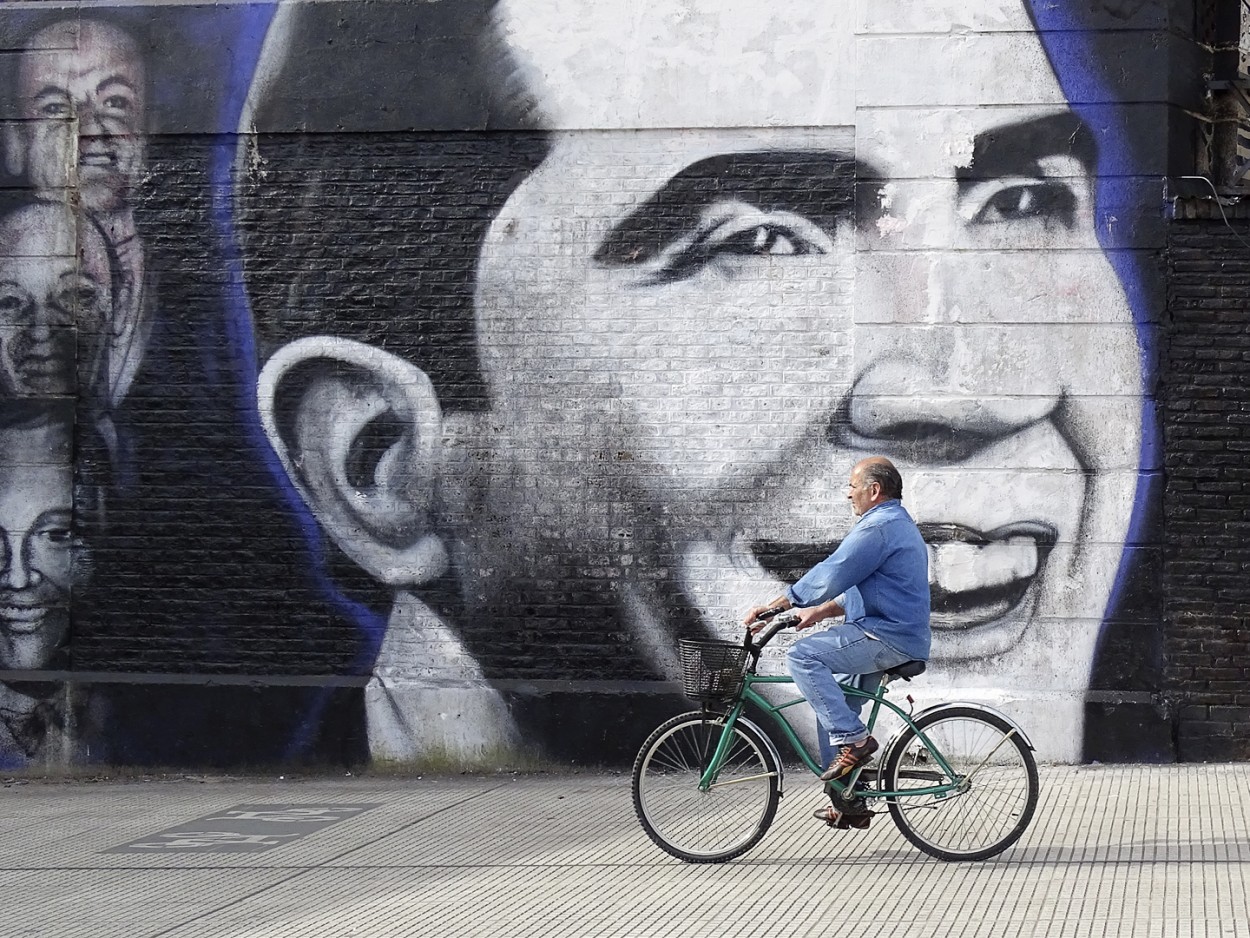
x: 856, y: 557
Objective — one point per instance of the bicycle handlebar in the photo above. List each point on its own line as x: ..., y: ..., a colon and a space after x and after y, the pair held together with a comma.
x: 779, y: 622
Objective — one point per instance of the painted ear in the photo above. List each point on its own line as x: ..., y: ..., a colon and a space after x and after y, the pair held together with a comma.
x: 14, y: 151
x: 359, y: 432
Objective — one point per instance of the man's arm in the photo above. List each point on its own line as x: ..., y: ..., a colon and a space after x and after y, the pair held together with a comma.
x: 863, y: 551
x: 807, y: 618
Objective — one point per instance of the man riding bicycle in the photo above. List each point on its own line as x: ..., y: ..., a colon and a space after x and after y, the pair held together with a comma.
x: 878, y: 578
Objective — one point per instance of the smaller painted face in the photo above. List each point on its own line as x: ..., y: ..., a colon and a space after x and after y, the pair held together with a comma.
x: 55, y: 307
x: 91, y: 72
x: 37, y: 568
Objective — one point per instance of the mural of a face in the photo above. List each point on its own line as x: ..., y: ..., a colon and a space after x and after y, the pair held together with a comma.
x: 54, y: 305
x: 37, y: 568
x: 711, y: 326
x: 89, y: 71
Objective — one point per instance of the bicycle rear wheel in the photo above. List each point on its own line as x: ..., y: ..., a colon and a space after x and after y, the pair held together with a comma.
x: 991, y: 813
x: 704, y: 826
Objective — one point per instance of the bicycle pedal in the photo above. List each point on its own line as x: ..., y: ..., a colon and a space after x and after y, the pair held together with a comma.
x: 858, y: 822
x: 841, y: 820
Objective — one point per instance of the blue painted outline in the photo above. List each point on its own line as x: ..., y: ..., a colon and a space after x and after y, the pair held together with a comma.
x: 249, y: 36
x: 1069, y: 46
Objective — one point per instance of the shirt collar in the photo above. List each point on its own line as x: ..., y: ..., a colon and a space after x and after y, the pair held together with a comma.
x: 884, y: 504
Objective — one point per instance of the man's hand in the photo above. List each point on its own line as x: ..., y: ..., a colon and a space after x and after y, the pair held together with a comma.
x: 813, y: 614
x: 752, y: 619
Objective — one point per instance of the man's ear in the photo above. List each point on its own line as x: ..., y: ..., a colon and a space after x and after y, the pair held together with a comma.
x: 14, y: 149
x: 359, y: 432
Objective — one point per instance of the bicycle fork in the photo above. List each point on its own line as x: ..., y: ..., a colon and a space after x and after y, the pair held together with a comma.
x: 709, y: 779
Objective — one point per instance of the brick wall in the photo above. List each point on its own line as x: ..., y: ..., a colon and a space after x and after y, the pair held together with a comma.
x: 888, y: 275
x: 1206, y: 406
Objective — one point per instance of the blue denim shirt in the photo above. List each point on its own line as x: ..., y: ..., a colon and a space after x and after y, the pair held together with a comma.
x: 883, y: 569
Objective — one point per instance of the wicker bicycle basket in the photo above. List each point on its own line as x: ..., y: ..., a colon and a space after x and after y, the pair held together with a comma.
x: 712, y: 671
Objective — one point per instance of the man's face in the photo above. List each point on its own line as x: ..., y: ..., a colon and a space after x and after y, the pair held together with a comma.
x: 36, y: 547
x: 93, y: 72
x: 859, y: 493
x: 54, y: 306
x: 709, y: 323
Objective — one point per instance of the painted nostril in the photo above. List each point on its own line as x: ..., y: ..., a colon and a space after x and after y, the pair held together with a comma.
x: 907, y: 408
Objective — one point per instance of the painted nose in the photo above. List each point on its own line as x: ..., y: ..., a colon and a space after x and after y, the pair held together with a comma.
x: 941, y: 368
x: 49, y: 314
x: 18, y: 574
x: 90, y: 123
x: 910, y: 401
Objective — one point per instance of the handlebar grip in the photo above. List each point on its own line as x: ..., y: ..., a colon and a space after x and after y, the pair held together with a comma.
x: 778, y: 624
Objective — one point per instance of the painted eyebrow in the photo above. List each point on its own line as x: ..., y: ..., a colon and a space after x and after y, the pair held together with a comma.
x: 50, y: 90
x: 1018, y: 149
x: 817, y: 184
x: 59, y: 516
x: 116, y: 80
x: 77, y: 273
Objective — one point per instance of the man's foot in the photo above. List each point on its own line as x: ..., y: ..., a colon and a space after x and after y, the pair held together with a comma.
x: 850, y: 757
x: 843, y: 821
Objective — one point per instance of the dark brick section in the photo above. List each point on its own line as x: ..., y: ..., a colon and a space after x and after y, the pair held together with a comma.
x: 1206, y: 403
x: 202, y: 568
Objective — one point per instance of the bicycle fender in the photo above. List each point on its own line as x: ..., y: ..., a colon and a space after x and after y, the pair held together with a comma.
x: 974, y: 705
x: 772, y: 748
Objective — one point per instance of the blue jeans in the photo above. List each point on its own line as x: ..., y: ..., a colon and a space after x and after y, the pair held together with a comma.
x: 842, y: 653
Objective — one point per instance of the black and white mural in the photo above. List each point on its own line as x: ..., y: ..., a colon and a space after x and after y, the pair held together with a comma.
x: 485, y: 349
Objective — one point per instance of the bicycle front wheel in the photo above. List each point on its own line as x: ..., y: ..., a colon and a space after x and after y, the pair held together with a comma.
x: 705, y: 826
x: 990, y: 811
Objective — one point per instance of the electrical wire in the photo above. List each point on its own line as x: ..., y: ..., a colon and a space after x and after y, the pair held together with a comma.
x: 1219, y: 203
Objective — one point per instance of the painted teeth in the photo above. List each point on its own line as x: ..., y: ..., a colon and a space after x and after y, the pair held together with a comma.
x: 959, y: 567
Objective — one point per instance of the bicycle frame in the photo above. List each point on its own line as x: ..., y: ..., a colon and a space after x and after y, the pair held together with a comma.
x: 749, y: 695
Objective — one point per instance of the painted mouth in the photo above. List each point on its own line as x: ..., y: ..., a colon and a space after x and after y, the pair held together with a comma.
x: 45, y: 373
x: 44, y: 366
x: 23, y: 620
x: 98, y: 156
x: 975, y: 577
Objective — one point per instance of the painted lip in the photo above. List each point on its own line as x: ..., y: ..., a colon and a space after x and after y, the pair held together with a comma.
x: 99, y: 156
x: 23, y: 619
x: 978, y: 577
x: 44, y: 366
x: 975, y: 577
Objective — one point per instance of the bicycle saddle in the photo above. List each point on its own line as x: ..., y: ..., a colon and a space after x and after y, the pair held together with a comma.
x: 907, y: 670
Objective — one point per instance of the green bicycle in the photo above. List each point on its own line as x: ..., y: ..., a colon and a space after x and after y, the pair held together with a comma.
x: 959, y: 779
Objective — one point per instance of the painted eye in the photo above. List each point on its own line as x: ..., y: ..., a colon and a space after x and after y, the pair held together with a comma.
x: 58, y: 536
x: 12, y: 305
x: 721, y: 241
x: 118, y: 102
x: 56, y: 110
x: 759, y: 240
x: 80, y: 297
x: 1047, y: 201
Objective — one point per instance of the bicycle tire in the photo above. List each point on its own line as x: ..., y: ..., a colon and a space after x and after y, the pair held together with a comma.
x: 721, y: 823
x: 996, y: 809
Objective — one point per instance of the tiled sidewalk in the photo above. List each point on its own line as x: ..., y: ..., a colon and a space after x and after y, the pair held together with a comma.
x: 1113, y: 850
